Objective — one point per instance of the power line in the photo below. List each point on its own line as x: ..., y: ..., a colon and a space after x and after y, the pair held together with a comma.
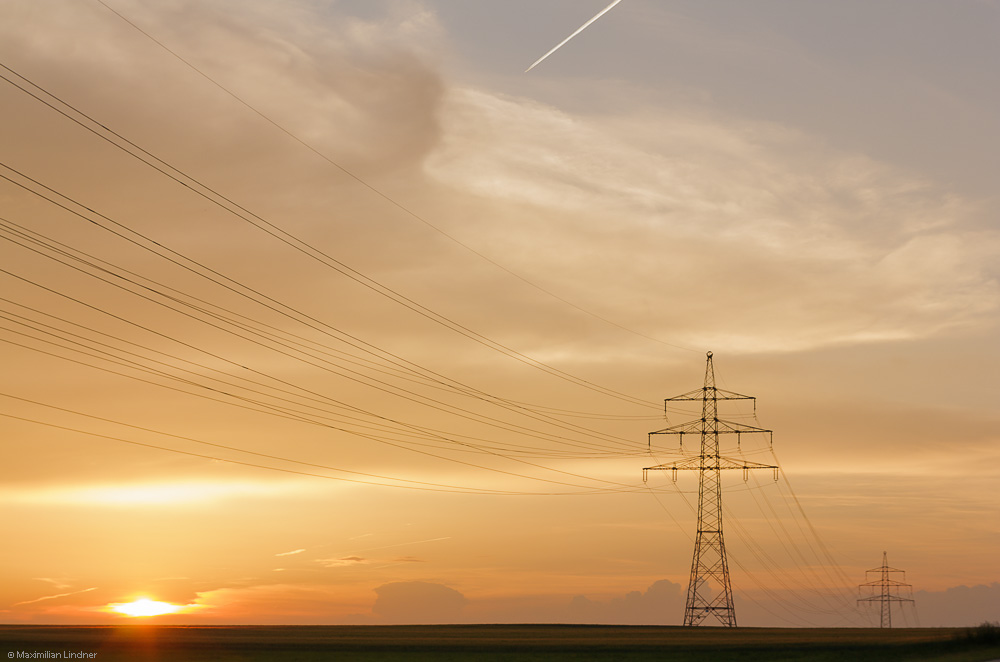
x: 831, y: 561
x: 356, y: 433
x: 277, y: 307
x: 303, y: 417
x: 312, y: 419
x: 289, y: 239
x: 378, y: 192
x: 795, y: 613
x: 797, y: 618
x: 354, y: 376
x: 812, y: 579
x: 418, y: 432
x: 257, y: 327
x: 406, y: 370
x: 118, y: 224
x: 416, y: 484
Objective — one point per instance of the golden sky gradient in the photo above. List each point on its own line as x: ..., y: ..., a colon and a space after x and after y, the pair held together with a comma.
x: 324, y: 312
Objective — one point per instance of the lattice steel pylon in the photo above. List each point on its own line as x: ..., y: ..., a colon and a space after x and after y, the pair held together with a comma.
x: 709, y: 565
x: 885, y: 594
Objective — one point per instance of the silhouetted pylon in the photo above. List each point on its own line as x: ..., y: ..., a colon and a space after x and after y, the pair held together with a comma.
x: 885, y: 591
x: 709, y: 564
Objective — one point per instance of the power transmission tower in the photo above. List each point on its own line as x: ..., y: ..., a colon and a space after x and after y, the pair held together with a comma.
x: 709, y: 590
x: 885, y: 590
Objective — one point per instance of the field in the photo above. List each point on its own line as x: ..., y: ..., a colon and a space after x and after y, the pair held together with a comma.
x: 482, y: 642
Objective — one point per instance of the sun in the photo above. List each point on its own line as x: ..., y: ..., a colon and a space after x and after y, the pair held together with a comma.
x: 144, y: 607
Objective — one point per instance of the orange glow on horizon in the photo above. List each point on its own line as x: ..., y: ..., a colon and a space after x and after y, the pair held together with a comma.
x: 144, y: 607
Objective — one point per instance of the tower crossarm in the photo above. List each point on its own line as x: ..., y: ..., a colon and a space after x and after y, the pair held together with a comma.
x: 886, y: 569
x: 697, y: 426
x: 886, y: 582
x: 709, y: 463
x: 710, y: 393
x: 695, y: 463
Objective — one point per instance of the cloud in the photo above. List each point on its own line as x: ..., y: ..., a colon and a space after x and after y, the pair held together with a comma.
x: 361, y: 91
x: 809, y: 245
x: 53, y: 597
x: 291, y: 553
x: 419, y: 602
x: 280, y: 604
x: 358, y: 90
x: 58, y: 583
x: 958, y: 606
x: 341, y: 562
x: 142, y: 495
x: 662, y: 603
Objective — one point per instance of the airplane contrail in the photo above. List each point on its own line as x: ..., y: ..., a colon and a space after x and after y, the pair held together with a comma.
x: 579, y: 30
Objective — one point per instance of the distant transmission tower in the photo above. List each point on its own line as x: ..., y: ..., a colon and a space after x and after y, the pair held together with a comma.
x: 885, y: 590
x: 709, y: 591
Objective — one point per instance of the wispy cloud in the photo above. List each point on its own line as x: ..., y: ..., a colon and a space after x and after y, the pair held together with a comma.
x: 53, y: 597
x: 58, y: 583
x: 150, y: 494
x: 811, y: 245
x: 341, y: 562
x: 291, y: 553
x: 404, y: 544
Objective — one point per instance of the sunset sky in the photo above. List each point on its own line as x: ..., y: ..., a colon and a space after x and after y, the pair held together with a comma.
x: 322, y: 311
